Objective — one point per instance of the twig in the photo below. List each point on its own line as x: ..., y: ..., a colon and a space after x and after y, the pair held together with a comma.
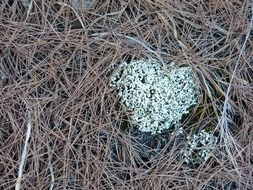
x: 29, y: 8
x: 28, y: 4
x: 24, y: 154
x: 50, y: 167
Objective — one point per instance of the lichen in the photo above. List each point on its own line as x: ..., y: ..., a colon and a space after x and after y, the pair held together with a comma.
x: 157, y: 98
x: 199, y: 147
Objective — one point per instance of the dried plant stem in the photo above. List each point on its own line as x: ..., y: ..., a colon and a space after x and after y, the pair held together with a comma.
x: 50, y: 167
x: 24, y: 155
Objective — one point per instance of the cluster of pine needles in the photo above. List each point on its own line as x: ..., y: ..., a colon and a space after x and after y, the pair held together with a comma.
x: 62, y: 127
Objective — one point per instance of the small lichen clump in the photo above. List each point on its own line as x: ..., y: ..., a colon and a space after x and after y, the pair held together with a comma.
x: 199, y: 147
x: 156, y: 98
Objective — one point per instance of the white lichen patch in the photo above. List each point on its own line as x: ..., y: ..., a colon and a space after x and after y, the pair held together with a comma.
x: 199, y: 147
x: 157, y: 99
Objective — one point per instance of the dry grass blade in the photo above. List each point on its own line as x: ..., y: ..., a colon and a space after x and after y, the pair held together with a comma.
x: 24, y: 154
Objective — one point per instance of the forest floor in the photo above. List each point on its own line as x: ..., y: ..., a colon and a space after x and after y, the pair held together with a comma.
x: 61, y: 125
